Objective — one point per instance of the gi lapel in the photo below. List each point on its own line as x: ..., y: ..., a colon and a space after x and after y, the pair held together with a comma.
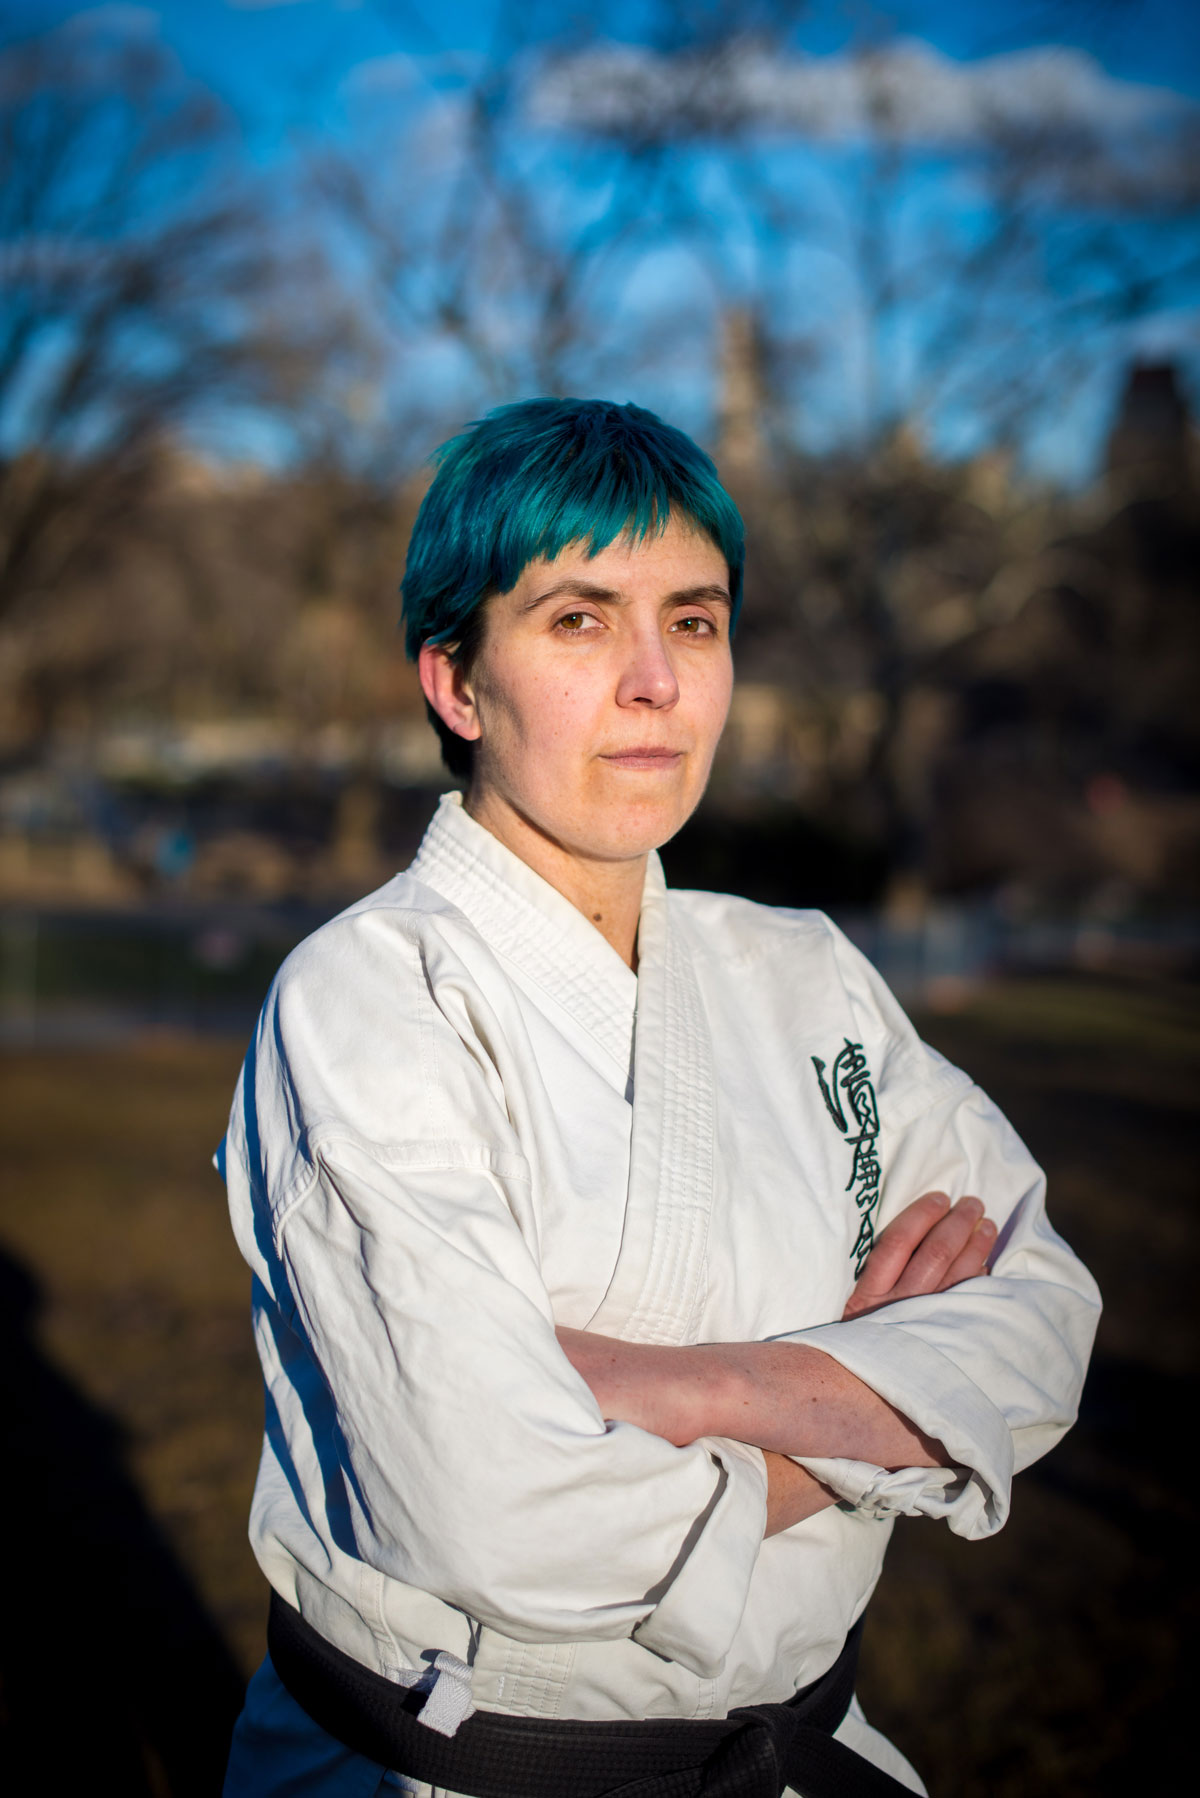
x: 658, y: 1284
x: 523, y: 919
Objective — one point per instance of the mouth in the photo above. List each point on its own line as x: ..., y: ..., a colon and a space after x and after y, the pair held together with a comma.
x: 644, y: 758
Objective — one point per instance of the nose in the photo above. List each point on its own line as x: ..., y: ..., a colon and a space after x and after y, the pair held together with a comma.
x: 647, y: 676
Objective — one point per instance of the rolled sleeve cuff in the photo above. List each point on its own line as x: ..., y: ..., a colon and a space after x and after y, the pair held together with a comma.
x: 971, y: 1494
x: 697, y: 1617
x: 903, y: 1492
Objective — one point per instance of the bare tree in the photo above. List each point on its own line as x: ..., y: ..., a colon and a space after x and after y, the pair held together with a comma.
x: 141, y: 291
x: 946, y: 243
x: 518, y: 252
x: 924, y: 244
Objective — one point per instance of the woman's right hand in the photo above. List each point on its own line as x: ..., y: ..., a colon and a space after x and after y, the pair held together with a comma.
x: 927, y: 1247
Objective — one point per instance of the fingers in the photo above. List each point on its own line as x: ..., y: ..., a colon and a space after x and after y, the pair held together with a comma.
x: 958, y: 1234
x: 927, y: 1247
x: 896, y: 1245
x: 972, y: 1261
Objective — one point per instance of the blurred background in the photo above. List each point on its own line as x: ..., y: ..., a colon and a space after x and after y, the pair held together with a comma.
x: 926, y: 281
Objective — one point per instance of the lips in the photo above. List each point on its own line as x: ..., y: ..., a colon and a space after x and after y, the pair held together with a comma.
x: 643, y: 756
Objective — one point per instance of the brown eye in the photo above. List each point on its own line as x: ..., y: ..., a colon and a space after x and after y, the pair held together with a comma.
x: 694, y: 627
x: 574, y: 624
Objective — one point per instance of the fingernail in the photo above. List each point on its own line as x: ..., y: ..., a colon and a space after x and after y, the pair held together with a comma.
x: 985, y: 1227
x: 971, y: 1207
x: 943, y: 1200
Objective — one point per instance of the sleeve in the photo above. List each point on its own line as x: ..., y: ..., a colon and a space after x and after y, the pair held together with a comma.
x: 477, y: 1463
x: 994, y: 1367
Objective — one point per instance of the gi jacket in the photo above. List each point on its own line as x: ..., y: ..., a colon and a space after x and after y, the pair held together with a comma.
x: 440, y: 1148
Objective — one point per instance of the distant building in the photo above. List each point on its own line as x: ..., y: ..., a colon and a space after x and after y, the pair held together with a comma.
x: 741, y: 451
x: 1151, y: 443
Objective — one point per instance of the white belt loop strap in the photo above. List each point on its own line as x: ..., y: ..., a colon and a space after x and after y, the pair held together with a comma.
x: 447, y: 1685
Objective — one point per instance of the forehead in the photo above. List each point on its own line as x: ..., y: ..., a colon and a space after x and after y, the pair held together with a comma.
x: 682, y: 554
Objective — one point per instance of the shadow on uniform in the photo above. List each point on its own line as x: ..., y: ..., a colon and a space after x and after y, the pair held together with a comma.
x: 110, y: 1670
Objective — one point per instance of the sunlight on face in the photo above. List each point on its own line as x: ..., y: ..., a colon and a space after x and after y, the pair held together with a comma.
x: 600, y: 694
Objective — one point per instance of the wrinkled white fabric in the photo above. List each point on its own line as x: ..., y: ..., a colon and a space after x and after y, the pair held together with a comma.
x: 439, y: 1150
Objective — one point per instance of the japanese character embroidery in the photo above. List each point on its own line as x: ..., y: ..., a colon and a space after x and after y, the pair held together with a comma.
x: 850, y: 1101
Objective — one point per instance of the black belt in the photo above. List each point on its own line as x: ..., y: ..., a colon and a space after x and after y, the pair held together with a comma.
x: 753, y: 1753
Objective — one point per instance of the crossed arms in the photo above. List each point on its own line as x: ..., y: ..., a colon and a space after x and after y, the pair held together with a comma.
x: 787, y: 1398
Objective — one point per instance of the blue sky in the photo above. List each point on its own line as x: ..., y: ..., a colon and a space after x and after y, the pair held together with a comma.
x: 321, y: 68
x: 285, y: 60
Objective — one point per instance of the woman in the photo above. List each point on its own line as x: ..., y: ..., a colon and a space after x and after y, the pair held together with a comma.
x: 593, y: 1379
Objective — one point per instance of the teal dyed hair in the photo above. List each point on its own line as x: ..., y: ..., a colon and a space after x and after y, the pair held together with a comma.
x: 532, y: 477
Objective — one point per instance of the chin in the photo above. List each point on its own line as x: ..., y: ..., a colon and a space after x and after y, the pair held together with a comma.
x: 638, y: 830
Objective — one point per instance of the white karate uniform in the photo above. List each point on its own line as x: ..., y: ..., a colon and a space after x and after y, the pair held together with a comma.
x: 463, y: 1120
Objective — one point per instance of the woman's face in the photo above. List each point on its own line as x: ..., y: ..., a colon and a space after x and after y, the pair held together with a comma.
x: 599, y: 693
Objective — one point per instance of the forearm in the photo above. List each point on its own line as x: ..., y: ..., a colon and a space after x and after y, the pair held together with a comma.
x: 793, y: 1399
x: 784, y: 1397
x: 792, y: 1494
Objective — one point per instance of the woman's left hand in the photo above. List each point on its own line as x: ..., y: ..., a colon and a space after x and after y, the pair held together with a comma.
x: 927, y: 1247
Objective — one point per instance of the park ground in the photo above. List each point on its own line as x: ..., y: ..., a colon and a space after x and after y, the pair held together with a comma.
x: 1044, y: 1661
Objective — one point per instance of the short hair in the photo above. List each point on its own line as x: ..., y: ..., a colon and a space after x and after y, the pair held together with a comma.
x: 527, y: 480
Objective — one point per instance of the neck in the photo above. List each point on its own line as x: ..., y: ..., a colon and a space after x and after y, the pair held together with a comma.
x: 608, y: 893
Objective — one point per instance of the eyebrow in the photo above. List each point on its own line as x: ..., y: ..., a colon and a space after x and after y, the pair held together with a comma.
x: 581, y: 589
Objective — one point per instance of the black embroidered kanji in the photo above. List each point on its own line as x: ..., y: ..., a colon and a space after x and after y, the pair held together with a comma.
x: 851, y: 1077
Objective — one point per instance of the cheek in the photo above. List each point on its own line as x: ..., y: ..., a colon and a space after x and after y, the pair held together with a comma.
x: 713, y: 701
x: 725, y: 692
x: 535, y: 717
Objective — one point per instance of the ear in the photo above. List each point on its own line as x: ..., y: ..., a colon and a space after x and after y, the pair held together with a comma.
x: 448, y: 691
